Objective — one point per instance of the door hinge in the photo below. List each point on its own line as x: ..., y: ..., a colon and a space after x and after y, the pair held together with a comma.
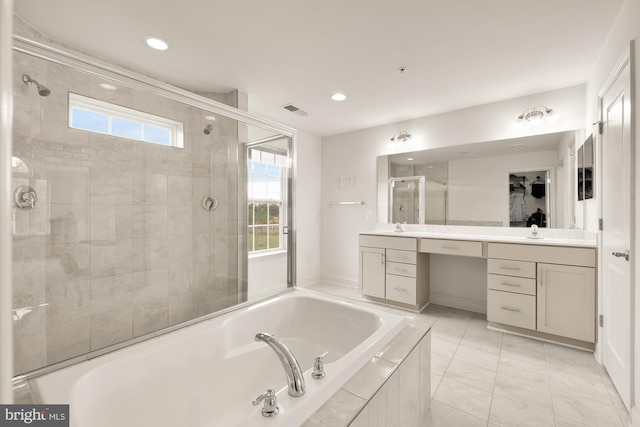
x: 600, y: 224
x: 601, y: 320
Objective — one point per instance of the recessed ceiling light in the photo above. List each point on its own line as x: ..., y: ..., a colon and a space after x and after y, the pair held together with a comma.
x: 156, y: 43
x: 107, y: 86
x: 338, y: 96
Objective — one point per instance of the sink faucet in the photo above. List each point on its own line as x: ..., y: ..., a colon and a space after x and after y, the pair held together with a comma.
x: 398, y: 227
x: 291, y: 367
x: 534, y: 231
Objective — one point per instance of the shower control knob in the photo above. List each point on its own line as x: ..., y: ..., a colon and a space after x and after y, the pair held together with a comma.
x: 25, y: 197
x: 209, y: 203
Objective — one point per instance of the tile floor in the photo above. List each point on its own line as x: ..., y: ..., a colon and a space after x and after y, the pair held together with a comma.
x: 481, y: 377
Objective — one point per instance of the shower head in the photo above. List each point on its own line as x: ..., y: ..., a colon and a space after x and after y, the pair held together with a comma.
x: 42, y: 90
x: 207, y: 130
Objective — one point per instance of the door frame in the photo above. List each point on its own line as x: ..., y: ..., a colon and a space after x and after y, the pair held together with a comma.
x: 627, y: 59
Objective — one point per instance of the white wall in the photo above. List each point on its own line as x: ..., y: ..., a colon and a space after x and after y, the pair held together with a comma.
x: 308, y: 151
x: 354, y: 154
x: 626, y: 28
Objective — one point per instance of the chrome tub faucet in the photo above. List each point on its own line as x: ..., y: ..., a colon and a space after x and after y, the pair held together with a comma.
x: 290, y: 365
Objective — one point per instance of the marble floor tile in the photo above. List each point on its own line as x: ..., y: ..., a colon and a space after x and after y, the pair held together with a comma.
x: 471, y: 400
x: 523, y: 391
x: 445, y: 416
x: 587, y: 413
x: 585, y: 386
x: 447, y: 332
x: 487, y: 341
x: 522, y: 346
x: 443, y: 347
x: 471, y: 375
x: 506, y: 412
x: 439, y: 363
x: 473, y: 356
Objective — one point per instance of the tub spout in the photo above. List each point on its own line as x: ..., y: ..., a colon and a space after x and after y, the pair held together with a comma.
x: 291, y: 367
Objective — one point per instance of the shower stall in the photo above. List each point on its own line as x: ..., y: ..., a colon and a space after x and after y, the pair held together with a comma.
x: 130, y: 215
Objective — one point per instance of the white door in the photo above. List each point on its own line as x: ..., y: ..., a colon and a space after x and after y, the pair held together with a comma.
x: 616, y: 235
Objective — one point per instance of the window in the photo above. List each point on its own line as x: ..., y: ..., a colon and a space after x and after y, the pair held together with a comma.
x: 266, y: 181
x: 102, y: 117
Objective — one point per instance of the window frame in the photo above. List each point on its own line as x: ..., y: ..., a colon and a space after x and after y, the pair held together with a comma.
x: 175, y: 128
x: 282, y: 202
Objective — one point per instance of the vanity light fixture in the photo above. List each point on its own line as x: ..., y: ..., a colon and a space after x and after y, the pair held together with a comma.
x: 156, y: 43
x: 401, y: 137
x: 536, y: 114
x: 338, y: 96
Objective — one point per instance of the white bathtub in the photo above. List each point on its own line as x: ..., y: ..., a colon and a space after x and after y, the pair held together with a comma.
x: 208, y: 374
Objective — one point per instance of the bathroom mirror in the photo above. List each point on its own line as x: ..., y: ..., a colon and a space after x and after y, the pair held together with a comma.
x: 588, y: 167
x: 469, y: 184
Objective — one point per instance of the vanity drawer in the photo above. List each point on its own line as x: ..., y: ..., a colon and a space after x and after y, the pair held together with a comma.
x: 518, y: 285
x: 388, y: 242
x: 400, y: 269
x: 401, y: 289
x: 511, y: 268
x: 451, y: 247
x: 511, y: 309
x: 408, y: 257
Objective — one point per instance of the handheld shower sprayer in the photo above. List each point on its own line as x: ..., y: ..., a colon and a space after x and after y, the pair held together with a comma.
x: 42, y: 90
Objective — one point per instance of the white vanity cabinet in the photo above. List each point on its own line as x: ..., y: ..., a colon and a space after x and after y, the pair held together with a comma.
x: 391, y: 271
x: 567, y: 301
x: 372, y: 271
x: 548, y: 290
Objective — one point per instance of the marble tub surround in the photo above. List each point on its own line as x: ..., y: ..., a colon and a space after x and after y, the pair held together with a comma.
x: 393, y: 388
x: 549, y: 236
x: 118, y: 245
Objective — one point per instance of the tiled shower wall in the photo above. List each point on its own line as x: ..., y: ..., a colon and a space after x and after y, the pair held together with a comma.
x: 118, y: 245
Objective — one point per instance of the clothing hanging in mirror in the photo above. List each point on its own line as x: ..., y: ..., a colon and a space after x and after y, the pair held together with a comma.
x: 538, y: 188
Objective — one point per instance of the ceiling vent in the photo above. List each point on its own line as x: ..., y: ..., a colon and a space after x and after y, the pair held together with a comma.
x: 295, y: 110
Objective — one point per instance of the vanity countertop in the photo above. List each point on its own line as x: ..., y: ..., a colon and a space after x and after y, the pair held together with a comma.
x: 546, y: 241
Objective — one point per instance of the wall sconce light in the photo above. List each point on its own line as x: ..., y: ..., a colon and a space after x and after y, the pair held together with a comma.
x: 536, y: 114
x: 401, y: 137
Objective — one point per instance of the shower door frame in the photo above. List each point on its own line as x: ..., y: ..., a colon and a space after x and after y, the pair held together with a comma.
x: 96, y: 67
x: 421, y: 195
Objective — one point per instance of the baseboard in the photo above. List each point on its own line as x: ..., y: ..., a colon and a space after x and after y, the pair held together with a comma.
x: 339, y: 281
x: 458, y: 302
x: 634, y: 417
x: 308, y: 281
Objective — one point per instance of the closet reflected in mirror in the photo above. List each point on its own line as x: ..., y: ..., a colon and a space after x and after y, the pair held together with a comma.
x: 585, y: 170
x: 529, y: 199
